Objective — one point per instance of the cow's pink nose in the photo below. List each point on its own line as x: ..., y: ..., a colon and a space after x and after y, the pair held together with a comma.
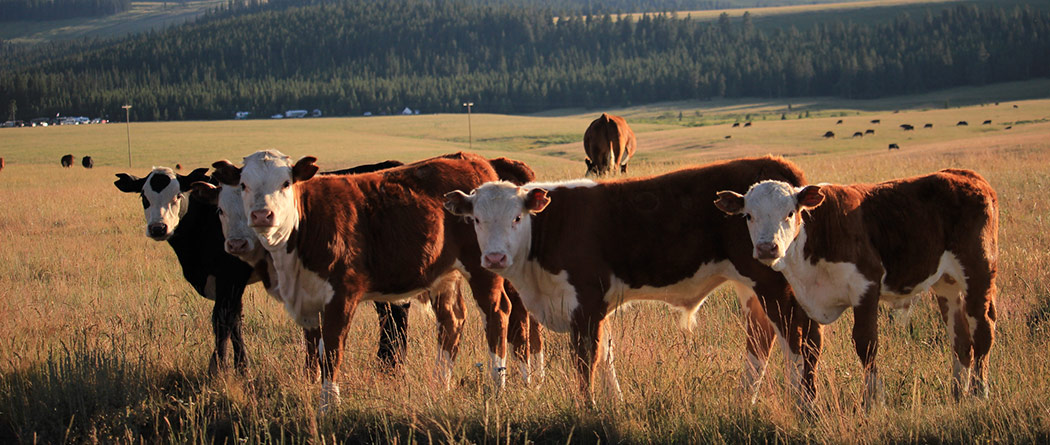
x: 766, y: 251
x: 236, y: 246
x: 495, y: 260
x: 262, y: 218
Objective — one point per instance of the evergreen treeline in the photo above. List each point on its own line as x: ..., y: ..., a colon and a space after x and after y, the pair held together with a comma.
x: 355, y: 56
x: 14, y: 10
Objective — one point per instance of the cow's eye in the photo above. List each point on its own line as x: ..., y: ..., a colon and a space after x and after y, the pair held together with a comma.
x: 747, y: 216
x: 286, y: 184
x: 791, y: 214
x: 244, y: 187
x: 517, y: 220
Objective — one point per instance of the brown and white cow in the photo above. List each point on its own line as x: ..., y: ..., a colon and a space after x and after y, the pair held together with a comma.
x: 338, y: 240
x: 608, y: 142
x: 843, y: 246
x: 578, y: 250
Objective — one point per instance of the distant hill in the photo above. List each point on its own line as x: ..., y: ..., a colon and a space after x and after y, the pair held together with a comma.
x: 349, y: 57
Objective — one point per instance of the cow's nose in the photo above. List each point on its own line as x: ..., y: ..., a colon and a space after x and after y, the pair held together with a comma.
x: 495, y: 260
x: 236, y: 246
x: 158, y: 230
x: 766, y: 251
x: 262, y: 218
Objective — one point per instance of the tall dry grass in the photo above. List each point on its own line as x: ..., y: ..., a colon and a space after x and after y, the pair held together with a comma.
x: 102, y: 341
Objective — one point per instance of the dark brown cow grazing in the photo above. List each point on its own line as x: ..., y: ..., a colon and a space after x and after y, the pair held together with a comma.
x: 907, y: 127
x: 858, y: 135
x: 67, y: 161
x: 747, y: 124
x: 87, y: 162
x: 869, y: 131
x: 961, y: 124
x: 850, y: 246
x: 338, y: 240
x: 894, y: 147
x: 608, y: 142
x: 578, y: 250
x: 876, y: 121
x: 988, y: 122
x: 839, y: 122
x: 829, y: 134
x: 927, y: 126
x: 736, y: 124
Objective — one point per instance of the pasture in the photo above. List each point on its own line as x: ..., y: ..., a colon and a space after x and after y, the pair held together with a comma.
x: 103, y: 340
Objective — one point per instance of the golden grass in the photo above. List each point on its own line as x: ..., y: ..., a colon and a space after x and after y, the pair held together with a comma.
x: 103, y: 340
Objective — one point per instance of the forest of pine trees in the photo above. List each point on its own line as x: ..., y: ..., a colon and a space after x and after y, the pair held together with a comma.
x: 347, y: 57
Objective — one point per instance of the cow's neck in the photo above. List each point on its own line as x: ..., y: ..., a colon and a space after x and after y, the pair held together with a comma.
x: 189, y: 241
x: 303, y: 291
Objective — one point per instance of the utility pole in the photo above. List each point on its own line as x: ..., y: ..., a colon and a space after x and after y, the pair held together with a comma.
x: 127, y: 122
x: 470, y: 132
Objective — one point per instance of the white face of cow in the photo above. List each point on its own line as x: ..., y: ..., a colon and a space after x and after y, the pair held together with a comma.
x: 772, y: 210
x: 269, y: 199
x: 241, y: 240
x: 502, y: 216
x: 163, y: 198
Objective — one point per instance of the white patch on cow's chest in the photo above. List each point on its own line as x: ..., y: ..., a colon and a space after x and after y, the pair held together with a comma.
x: 549, y: 297
x: 303, y: 291
x: 824, y: 289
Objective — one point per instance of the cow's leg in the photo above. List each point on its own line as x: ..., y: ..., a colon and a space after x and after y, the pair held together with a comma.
x: 235, y: 319
x: 536, y: 359
x: 450, y: 313
x: 393, y: 324
x: 221, y: 332
x: 586, y: 334
x: 866, y: 341
x: 800, y: 337
x: 760, y: 335
x: 226, y: 323
x: 335, y: 323
x: 612, y: 384
x: 949, y: 300
x: 312, y: 367
x: 494, y: 303
x: 980, y: 309
x: 522, y: 333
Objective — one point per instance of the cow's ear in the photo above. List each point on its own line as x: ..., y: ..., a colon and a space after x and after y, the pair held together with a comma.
x: 458, y: 203
x: 304, y: 169
x: 730, y: 202
x: 128, y: 183
x: 198, y: 174
x: 810, y: 196
x: 226, y: 173
x: 536, y: 200
x: 205, y: 191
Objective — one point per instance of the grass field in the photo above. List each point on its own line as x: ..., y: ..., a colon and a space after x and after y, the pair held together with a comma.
x: 102, y: 339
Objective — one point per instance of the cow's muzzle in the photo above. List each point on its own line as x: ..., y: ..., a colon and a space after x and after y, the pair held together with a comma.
x: 238, y: 246
x: 495, y: 261
x: 261, y: 218
x: 157, y: 231
x: 766, y: 252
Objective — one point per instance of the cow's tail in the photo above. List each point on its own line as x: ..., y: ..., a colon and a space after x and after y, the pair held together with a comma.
x: 513, y: 171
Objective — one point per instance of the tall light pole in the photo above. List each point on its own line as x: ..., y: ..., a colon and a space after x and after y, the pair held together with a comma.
x: 127, y: 122
x: 470, y: 132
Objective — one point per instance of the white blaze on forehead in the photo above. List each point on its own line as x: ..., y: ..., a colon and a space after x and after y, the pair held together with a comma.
x: 770, y: 207
x: 496, y: 207
x: 264, y: 175
x: 164, y: 198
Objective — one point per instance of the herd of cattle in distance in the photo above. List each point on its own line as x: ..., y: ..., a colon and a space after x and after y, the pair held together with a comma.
x: 565, y: 255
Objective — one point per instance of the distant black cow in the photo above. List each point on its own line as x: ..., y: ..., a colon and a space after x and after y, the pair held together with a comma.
x: 907, y: 127
x: 987, y: 122
x: 876, y: 121
x: 927, y: 126
x: 728, y: 136
x: 858, y: 135
x: 1015, y: 106
x: 67, y: 161
x: 87, y: 162
x: 736, y: 124
x: 829, y: 134
x: 895, y: 147
x: 839, y: 122
x: 869, y: 131
x: 961, y: 124
x: 747, y: 124
x: 1009, y: 127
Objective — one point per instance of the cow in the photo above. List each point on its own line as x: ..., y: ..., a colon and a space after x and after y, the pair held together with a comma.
x: 178, y: 167
x: 87, y: 162
x: 338, y: 240
x: 928, y: 125
x: 608, y: 142
x: 2, y: 163
x: 728, y: 136
x: 858, y: 134
x: 839, y: 122
x: 907, y: 127
x: 987, y: 122
x: 829, y: 134
x: 240, y: 241
x: 578, y: 250
x: 1008, y: 127
x: 736, y: 124
x: 747, y: 124
x: 191, y: 228
x: 869, y: 131
x: 843, y: 246
x: 67, y: 161
x: 876, y: 121
x: 961, y: 124
x: 894, y: 146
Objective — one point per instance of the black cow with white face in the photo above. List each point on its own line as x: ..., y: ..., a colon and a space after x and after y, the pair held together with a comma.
x: 191, y: 226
